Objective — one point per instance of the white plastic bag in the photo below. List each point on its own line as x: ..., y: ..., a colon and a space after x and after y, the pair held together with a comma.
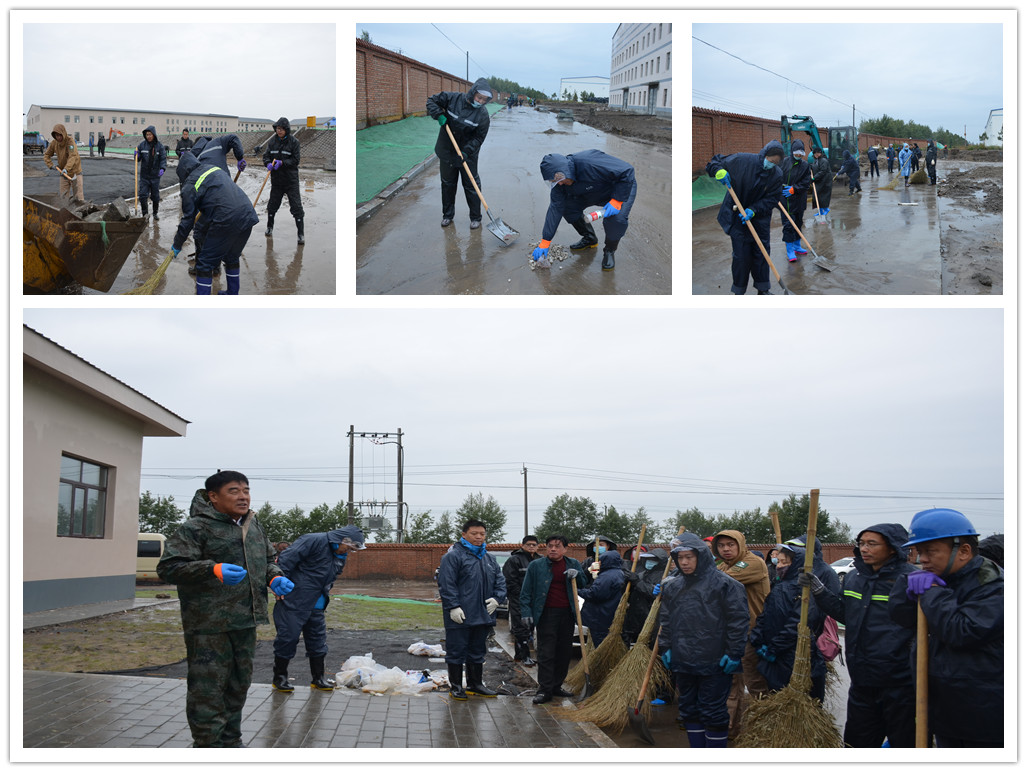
x: 422, y: 649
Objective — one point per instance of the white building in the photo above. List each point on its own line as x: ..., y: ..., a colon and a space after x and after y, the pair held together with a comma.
x: 640, y: 68
x: 994, y: 127
x: 85, y: 122
x: 82, y: 455
x: 595, y: 84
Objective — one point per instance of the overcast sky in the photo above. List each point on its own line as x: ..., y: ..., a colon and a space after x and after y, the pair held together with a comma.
x: 941, y: 75
x: 244, y: 69
x: 534, y: 55
x: 886, y: 411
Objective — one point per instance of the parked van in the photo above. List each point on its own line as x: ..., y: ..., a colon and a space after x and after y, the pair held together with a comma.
x: 149, y: 549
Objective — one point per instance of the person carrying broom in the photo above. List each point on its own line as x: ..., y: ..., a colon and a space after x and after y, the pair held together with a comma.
x: 704, y: 618
x: 603, y: 595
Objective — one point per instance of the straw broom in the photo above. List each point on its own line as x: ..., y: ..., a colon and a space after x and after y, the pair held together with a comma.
x: 576, y: 677
x: 790, y: 718
x: 148, y: 286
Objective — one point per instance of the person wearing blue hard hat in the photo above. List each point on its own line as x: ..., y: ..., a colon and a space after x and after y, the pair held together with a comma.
x: 962, y: 596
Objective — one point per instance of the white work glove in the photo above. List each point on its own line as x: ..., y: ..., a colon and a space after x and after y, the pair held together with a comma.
x: 594, y: 569
x: 491, y: 605
x: 457, y: 615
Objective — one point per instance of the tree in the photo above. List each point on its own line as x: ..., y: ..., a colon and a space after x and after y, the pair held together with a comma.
x: 576, y: 518
x: 984, y: 138
x: 1000, y: 134
x: 421, y: 529
x: 694, y: 521
x: 793, y: 513
x: 477, y: 507
x: 574, y: 97
x: 159, y: 514
x: 365, y: 36
x: 275, y: 526
x: 444, y: 532
x: 653, y: 532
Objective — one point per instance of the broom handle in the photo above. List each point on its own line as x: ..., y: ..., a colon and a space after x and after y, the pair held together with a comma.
x: 811, y: 535
x: 921, y: 677
x: 815, y: 196
x: 752, y: 230
x: 634, y: 562
x: 581, y: 632
x: 649, y: 670
x: 805, y: 241
x: 135, y: 163
x: 776, y: 522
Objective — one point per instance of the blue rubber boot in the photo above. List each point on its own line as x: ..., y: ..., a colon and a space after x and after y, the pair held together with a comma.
x: 232, y: 279
x: 798, y: 248
x: 716, y: 737
x: 697, y: 735
x: 203, y: 285
x: 790, y: 246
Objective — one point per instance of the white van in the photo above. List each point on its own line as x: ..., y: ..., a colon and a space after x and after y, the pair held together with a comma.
x: 149, y: 548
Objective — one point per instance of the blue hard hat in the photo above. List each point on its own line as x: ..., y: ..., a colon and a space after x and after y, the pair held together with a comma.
x: 934, y: 524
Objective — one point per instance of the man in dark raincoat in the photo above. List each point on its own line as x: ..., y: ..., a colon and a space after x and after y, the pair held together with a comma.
x: 756, y: 180
x: 214, y: 150
x: 931, y: 162
x: 602, y: 596
x: 153, y: 161
x: 282, y: 159
x: 312, y: 562
x: 795, y: 182
x: 209, y: 191
x: 648, y: 573
x: 704, y: 619
x: 823, y: 180
x: 223, y: 564
x: 466, y: 116
x: 963, y: 597
x: 184, y: 143
x: 587, y: 178
x: 881, y: 692
x: 514, y: 569
x: 850, y: 167
x: 471, y: 587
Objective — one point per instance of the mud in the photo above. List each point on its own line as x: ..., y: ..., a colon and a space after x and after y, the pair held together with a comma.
x: 649, y: 128
x: 970, y: 200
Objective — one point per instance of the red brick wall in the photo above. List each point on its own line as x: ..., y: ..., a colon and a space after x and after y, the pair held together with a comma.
x: 391, y: 86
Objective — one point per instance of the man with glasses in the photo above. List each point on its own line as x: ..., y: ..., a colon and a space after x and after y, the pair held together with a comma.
x: 881, y: 694
x: 514, y: 569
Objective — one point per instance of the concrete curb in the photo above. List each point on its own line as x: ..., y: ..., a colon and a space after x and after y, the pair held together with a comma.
x: 368, y: 209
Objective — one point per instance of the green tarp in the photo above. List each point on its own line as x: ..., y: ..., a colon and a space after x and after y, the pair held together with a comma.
x: 706, y: 191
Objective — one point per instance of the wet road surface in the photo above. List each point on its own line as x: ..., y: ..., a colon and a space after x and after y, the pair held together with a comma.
x: 403, y: 250
x: 880, y: 242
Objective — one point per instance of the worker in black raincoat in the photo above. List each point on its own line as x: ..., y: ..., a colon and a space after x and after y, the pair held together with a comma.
x: 850, y: 167
x: 931, y: 162
x: 795, y: 182
x: 824, y: 572
x: 823, y: 179
x: 579, y: 180
x: 881, y: 700
x: 282, y: 159
x: 756, y: 180
x: 465, y: 114
x: 471, y: 587
x: 704, y: 618
x: 514, y: 569
x: 962, y: 595
x: 602, y: 596
x: 184, y: 143
x: 153, y: 162
x: 214, y: 150
x: 776, y: 631
x: 209, y: 191
x: 648, y: 573
x: 312, y: 563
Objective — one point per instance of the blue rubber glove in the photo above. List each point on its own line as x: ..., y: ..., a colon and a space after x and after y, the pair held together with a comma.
x: 271, y: 166
x: 160, y: 172
x: 540, y: 253
x: 281, y: 586
x: 229, y: 573
x: 919, y: 582
x: 442, y: 120
x: 763, y: 653
x: 665, y: 659
x: 322, y: 601
x: 176, y: 251
x: 723, y: 178
x: 610, y: 210
x: 276, y: 164
x: 241, y: 165
x: 657, y: 588
x: 788, y: 191
x: 729, y: 665
x: 747, y: 215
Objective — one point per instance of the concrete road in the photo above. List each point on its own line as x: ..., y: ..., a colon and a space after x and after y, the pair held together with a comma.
x: 403, y: 250
x: 876, y: 245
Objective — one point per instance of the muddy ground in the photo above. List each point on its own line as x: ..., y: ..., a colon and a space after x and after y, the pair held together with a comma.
x: 624, y: 124
x: 970, y: 210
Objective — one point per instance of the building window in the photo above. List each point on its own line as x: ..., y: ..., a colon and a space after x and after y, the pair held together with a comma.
x: 82, y: 499
x: 76, y: 119
x: 91, y: 119
x: 664, y: 97
x: 99, y: 119
x: 668, y: 61
x: 67, y: 119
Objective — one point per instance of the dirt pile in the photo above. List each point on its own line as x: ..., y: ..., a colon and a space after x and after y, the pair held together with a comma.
x: 978, y: 189
x: 649, y: 128
x: 975, y: 155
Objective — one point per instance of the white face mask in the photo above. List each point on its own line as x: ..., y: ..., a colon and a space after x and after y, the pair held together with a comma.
x: 650, y: 565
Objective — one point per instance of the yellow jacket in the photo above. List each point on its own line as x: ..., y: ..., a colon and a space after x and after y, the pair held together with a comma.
x: 67, y: 154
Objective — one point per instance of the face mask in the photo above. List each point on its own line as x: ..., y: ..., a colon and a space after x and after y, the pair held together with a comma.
x: 478, y: 104
x: 798, y: 156
x: 601, y: 550
x: 768, y: 164
x: 650, y: 565
x: 774, y: 561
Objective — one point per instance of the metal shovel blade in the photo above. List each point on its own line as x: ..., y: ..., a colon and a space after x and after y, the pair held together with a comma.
x: 501, y: 230
x: 589, y: 691
x: 638, y: 723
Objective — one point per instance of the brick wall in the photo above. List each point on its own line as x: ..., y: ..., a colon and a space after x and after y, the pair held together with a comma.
x: 391, y: 86
x: 716, y: 132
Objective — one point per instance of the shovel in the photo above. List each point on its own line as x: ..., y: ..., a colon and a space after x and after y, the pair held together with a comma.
x: 135, y: 201
x: 261, y: 189
x: 635, y: 717
x: 818, y: 216
x: 759, y: 243
x: 921, y: 677
x: 581, y: 634
x: 818, y: 261
x: 496, y: 226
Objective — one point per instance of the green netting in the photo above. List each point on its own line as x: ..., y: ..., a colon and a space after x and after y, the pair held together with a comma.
x: 389, y: 600
x: 706, y: 191
x: 387, y: 152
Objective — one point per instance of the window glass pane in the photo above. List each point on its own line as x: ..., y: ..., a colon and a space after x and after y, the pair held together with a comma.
x: 64, y: 510
x: 91, y: 473
x: 77, y: 511
x: 71, y: 468
x: 94, y: 514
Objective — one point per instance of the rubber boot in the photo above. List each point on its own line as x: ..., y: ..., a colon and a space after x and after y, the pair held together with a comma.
x: 799, y: 250
x: 587, y: 233
x: 280, y: 681
x: 525, y: 654
x: 475, y: 683
x: 456, y: 682
x: 696, y: 735
x: 790, y: 247
x: 270, y: 224
x: 299, y: 230
x: 519, y: 653
x: 608, y: 251
x: 232, y: 279
x: 716, y: 737
x: 204, y: 284
x: 155, y: 217
x: 317, y: 675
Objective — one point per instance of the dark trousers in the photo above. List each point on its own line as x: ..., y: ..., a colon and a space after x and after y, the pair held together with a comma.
x: 466, y: 643
x: 746, y: 261
x: 614, y: 227
x: 876, y: 712
x: 291, y: 624
x: 555, y: 637
x: 223, y: 244
x: 796, y: 206
x: 891, y: 165
x: 702, y: 699
x: 286, y: 187
x: 450, y: 174
x: 220, y: 671
x: 520, y: 631
x: 149, y: 188
x: 874, y: 170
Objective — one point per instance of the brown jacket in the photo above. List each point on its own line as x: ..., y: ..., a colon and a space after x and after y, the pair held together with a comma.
x: 67, y: 154
x: 747, y: 569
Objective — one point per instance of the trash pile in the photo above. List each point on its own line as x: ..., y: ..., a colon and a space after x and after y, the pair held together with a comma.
x: 367, y: 675
x: 557, y: 253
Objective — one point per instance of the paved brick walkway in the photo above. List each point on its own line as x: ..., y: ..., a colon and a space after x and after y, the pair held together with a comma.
x: 78, y: 710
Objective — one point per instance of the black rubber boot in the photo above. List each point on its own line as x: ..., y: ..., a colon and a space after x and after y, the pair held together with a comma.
x: 280, y: 682
x: 155, y: 217
x: 456, y: 682
x: 270, y: 224
x: 299, y: 230
x: 519, y: 652
x: 608, y: 251
x: 587, y: 233
x: 475, y: 683
x: 317, y: 675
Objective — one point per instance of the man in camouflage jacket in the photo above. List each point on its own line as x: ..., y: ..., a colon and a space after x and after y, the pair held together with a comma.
x: 223, y: 563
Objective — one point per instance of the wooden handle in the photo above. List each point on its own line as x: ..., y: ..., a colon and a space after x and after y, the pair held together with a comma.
x: 921, y: 677
x: 815, y: 196
x: 581, y: 631
x: 776, y: 522
x: 752, y: 230
x: 811, y: 535
x: 649, y: 670
x: 804, y: 241
x: 266, y: 177
x: 466, y: 167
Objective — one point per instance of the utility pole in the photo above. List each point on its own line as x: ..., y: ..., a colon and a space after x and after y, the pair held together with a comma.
x: 854, y: 115
x: 467, y: 66
x: 524, y: 471
x: 349, y: 500
x: 399, y: 485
